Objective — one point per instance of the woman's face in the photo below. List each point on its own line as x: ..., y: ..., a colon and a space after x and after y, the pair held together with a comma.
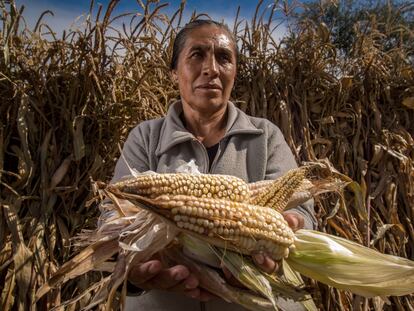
x: 206, y: 69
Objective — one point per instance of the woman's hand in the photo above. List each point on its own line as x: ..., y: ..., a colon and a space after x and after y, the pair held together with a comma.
x: 153, y: 275
x: 294, y: 220
x: 267, y: 264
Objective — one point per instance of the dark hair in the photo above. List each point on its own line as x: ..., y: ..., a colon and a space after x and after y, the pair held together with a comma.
x: 179, y: 41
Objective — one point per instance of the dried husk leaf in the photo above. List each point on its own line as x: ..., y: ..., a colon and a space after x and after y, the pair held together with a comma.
x: 211, y: 281
x: 347, y: 265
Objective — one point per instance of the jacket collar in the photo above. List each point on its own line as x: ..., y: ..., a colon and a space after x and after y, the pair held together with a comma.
x: 173, y: 131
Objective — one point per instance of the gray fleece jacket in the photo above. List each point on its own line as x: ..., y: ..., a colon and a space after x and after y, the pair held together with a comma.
x: 253, y: 149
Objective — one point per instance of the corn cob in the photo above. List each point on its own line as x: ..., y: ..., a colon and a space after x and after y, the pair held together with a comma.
x: 238, y: 226
x: 196, y: 185
x: 277, y: 195
x: 257, y: 188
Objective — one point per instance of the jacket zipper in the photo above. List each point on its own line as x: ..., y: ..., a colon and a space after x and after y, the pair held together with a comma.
x: 206, y: 160
x: 206, y: 169
x: 213, y: 165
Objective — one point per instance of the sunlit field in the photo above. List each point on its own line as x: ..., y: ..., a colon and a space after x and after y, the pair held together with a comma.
x: 69, y: 100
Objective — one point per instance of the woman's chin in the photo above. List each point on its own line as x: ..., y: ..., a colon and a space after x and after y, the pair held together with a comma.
x: 210, y: 106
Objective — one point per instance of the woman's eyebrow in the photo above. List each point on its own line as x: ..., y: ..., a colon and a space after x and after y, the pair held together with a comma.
x: 199, y: 47
x: 207, y: 47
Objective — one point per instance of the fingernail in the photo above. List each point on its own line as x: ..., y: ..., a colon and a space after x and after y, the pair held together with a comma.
x: 191, y: 284
x: 178, y: 276
x: 152, y: 269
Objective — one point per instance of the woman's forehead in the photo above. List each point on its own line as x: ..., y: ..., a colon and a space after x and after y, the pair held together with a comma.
x: 206, y: 36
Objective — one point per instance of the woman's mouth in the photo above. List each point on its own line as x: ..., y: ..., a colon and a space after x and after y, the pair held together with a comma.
x: 209, y: 86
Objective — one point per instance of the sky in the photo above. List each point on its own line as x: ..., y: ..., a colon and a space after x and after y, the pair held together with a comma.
x: 66, y: 12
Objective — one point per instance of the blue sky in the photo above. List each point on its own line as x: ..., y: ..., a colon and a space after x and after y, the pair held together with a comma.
x: 66, y: 12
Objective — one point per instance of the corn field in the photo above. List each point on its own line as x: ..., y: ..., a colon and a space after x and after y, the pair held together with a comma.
x: 69, y: 100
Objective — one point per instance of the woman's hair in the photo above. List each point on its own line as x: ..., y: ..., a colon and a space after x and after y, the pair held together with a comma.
x: 179, y: 41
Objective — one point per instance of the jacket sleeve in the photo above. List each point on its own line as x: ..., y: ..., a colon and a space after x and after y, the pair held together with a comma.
x: 280, y: 160
x: 134, y: 155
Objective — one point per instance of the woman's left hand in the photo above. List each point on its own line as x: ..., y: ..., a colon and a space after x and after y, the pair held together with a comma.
x: 267, y: 264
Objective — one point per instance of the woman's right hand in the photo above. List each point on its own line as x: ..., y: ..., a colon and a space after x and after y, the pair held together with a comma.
x: 153, y: 275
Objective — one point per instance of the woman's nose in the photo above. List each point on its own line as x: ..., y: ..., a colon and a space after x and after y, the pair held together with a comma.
x: 210, y: 65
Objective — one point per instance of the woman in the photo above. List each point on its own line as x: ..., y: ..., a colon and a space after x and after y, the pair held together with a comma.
x: 204, y: 125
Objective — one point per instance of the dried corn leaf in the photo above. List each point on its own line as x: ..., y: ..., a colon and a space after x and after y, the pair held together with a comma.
x: 8, y: 291
x: 78, y: 141
x: 408, y: 102
x: 383, y: 230
x: 85, y: 261
x: 60, y: 172
x: 23, y: 265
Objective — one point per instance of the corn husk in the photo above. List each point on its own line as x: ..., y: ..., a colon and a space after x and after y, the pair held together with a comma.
x: 211, y: 280
x: 347, y: 265
x: 294, y: 278
x: 243, y: 269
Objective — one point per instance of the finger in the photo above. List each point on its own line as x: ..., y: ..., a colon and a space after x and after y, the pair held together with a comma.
x: 294, y: 220
x: 265, y: 263
x: 270, y: 266
x: 141, y: 273
x: 190, y: 283
x: 169, y: 278
x: 230, y: 278
x: 258, y: 259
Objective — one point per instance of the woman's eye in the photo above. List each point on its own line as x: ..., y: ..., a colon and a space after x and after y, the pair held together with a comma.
x: 225, y: 58
x: 195, y: 54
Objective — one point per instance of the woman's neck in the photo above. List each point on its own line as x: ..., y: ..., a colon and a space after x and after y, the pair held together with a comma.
x: 209, y: 129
